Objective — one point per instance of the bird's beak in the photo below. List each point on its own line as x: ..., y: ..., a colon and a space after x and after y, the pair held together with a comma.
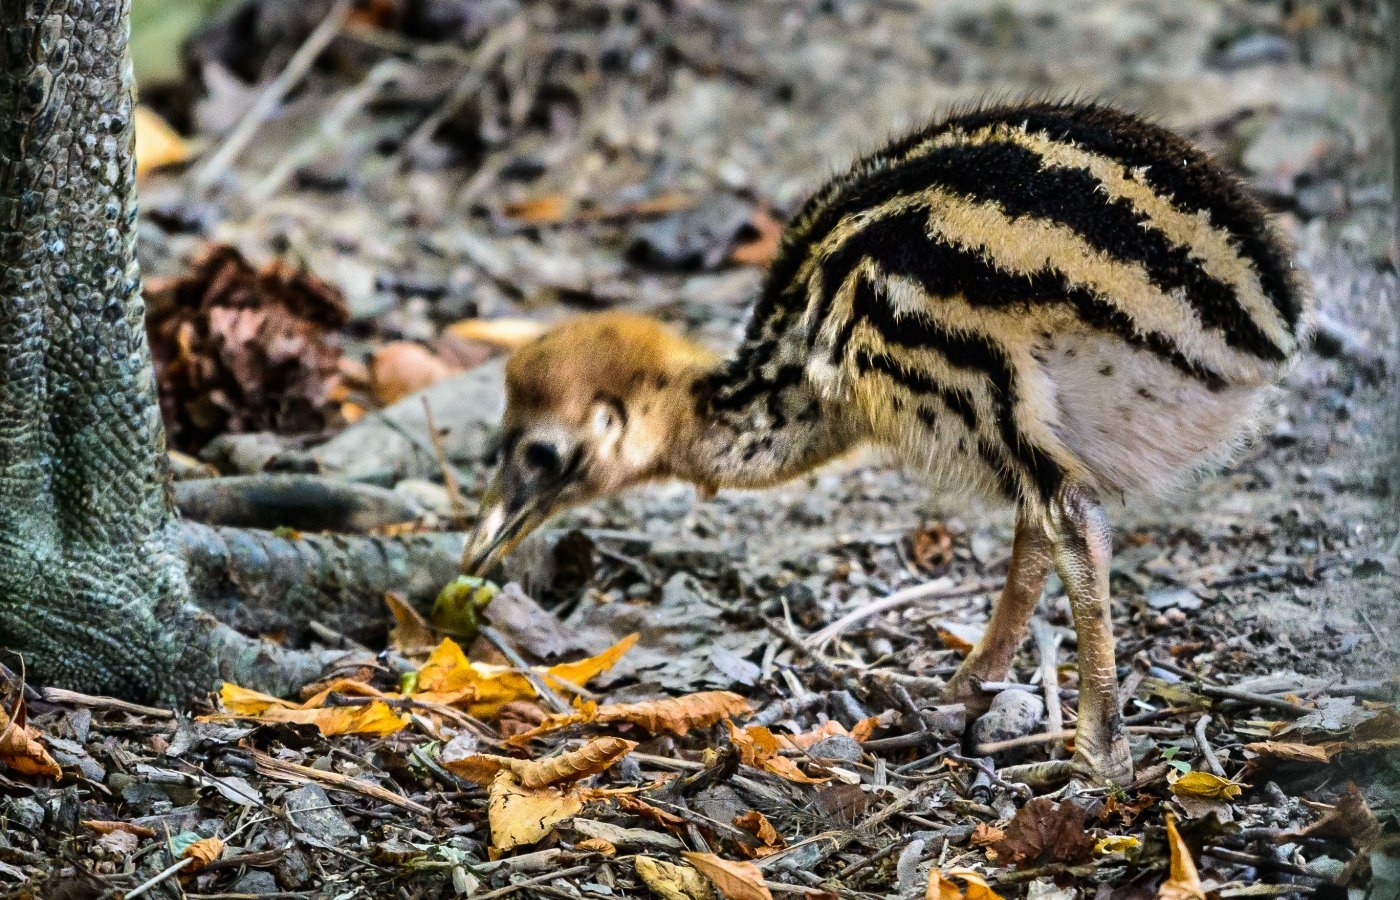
x: 508, y: 515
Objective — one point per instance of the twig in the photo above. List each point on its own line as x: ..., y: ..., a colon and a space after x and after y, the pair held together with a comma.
x: 1047, y: 737
x: 59, y: 695
x: 214, y: 167
x: 330, y: 129
x: 531, y: 882
x: 1204, y: 746
x: 1047, y: 644
x: 941, y: 589
x: 1039, y: 775
x: 541, y: 686
x: 156, y: 879
x: 449, y: 477
x: 270, y: 765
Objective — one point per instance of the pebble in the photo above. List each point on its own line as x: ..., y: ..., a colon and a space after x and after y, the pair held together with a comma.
x: 1013, y: 714
x: 839, y: 748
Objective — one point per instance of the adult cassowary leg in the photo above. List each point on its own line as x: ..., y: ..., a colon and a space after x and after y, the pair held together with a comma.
x: 93, y: 591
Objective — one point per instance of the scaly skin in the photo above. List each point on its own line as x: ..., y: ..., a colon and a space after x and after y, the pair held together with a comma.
x: 93, y: 586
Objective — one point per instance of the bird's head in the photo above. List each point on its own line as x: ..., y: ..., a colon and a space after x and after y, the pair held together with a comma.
x: 593, y: 406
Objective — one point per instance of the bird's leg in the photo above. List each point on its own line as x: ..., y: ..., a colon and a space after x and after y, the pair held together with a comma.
x: 1083, y: 544
x: 1031, y: 558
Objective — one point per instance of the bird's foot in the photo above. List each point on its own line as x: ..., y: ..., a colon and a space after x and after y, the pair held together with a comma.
x: 965, y: 687
x: 1102, y: 764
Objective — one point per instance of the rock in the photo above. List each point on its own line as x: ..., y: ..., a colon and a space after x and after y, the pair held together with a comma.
x: 1291, y: 145
x: 691, y: 555
x: 1177, y: 598
x: 320, y: 822
x: 735, y: 667
x: 837, y: 748
x: 1253, y: 50
x: 394, y: 443
x: 255, y: 883
x: 628, y: 839
x: 1014, y: 713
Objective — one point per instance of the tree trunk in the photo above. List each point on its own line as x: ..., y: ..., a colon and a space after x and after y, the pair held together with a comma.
x: 94, y: 592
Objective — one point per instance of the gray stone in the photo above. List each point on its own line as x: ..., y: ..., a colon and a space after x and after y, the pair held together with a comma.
x: 1013, y: 714
x: 838, y: 748
x: 315, y: 814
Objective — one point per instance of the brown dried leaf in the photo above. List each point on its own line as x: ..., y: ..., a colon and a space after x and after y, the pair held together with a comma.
x: 1349, y: 820
x: 483, y: 768
x: 984, y: 835
x: 931, y: 549
x: 653, y: 814
x: 758, y: 747
x: 520, y: 816
x: 596, y: 756
x: 401, y: 368
x: 672, y: 882
x: 203, y: 852
x: 239, y: 349
x: 411, y: 635
x: 677, y: 715
x: 20, y: 748
x: 505, y: 333
x: 550, y: 209
x: 941, y: 887
x: 1293, y: 752
x: 1044, y: 832
x: 959, y: 636
x: 734, y: 880
x: 757, y: 824
x: 760, y: 250
x: 1184, y: 883
x: 606, y: 849
x: 103, y: 826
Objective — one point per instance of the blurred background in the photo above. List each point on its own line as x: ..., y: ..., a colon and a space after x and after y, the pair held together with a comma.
x: 348, y: 201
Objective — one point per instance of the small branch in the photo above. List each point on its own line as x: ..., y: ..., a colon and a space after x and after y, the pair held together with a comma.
x: 531, y: 882
x: 156, y: 879
x: 941, y: 589
x: 541, y: 686
x: 1212, y: 761
x: 73, y: 698
x: 214, y: 167
x: 1048, y: 737
x: 1047, y: 644
x: 449, y: 477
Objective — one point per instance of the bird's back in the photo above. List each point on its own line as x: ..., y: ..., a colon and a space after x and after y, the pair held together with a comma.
x: 1019, y: 294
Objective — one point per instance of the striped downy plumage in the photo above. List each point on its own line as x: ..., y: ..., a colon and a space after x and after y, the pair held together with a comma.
x: 1060, y: 304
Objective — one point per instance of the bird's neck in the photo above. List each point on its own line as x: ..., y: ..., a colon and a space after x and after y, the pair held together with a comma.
x: 751, y: 421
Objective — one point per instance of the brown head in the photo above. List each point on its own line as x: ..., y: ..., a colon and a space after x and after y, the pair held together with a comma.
x: 593, y: 406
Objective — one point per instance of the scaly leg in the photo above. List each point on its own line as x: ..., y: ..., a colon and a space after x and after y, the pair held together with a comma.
x: 1031, y: 558
x: 1083, y: 544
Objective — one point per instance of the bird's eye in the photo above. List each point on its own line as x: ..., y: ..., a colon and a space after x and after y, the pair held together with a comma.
x: 542, y: 457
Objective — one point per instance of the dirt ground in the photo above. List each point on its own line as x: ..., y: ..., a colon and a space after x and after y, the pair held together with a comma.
x: 450, y: 160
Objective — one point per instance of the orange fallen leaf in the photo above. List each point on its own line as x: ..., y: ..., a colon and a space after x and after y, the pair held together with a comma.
x: 1293, y: 752
x: 103, y: 826
x: 551, y: 209
x: 672, y: 715
x: 653, y: 814
x: 411, y: 634
x: 20, y: 748
x: 760, y: 250
x: 1184, y: 882
x: 401, y: 368
x: 757, y: 824
x: 506, y: 333
x: 604, y: 848
x: 734, y: 880
x: 203, y: 852
x: 942, y: 887
x: 590, y: 759
x: 482, y: 689
x: 157, y: 144
x: 371, y: 718
x: 758, y: 747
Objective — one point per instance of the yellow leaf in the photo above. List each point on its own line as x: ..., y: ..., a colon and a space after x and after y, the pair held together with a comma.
x: 672, y: 882
x: 1205, y: 784
x: 604, y: 848
x: 520, y: 816
x: 1184, y: 882
x: 734, y: 880
x: 203, y: 853
x: 508, y: 334
x: 977, y: 887
x: 940, y: 888
x: 241, y: 701
x: 157, y: 144
x: 758, y: 747
x: 1117, y: 843
x: 449, y: 677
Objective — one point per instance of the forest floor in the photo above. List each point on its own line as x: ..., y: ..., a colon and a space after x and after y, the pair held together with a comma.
x: 447, y: 163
